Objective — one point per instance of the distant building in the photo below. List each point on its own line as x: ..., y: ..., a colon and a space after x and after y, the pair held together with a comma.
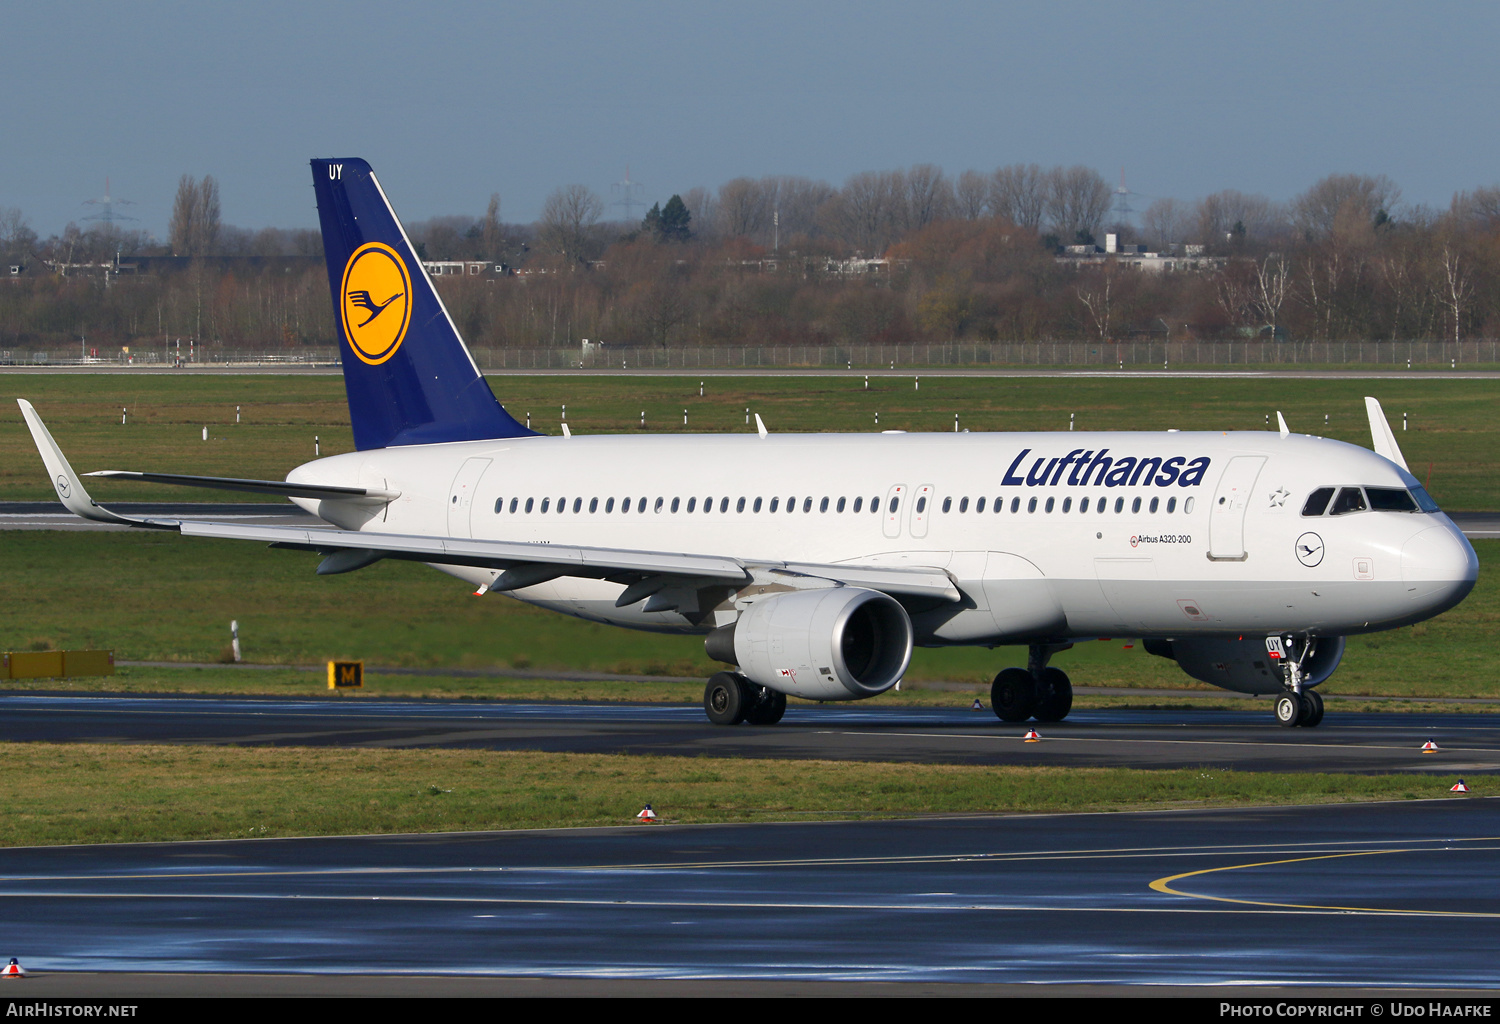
x: 1189, y: 260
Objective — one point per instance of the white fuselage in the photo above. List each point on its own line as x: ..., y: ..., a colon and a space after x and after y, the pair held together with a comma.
x: 1197, y: 534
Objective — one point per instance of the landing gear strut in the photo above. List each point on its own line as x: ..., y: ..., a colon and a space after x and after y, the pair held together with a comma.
x: 730, y: 698
x: 1036, y: 691
x: 1296, y: 705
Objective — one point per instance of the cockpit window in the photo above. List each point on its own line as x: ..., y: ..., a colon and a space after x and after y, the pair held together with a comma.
x: 1317, y: 502
x: 1390, y: 499
x: 1350, y: 499
x: 1424, y: 500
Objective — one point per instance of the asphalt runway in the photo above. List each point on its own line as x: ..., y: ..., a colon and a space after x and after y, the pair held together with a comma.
x: 1246, y: 740
x: 1351, y: 895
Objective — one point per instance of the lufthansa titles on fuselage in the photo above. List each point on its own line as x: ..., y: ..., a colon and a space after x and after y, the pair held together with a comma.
x: 1081, y: 468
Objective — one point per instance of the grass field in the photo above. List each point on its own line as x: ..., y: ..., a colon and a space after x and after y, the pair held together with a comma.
x: 94, y: 793
x: 159, y: 597
x: 1452, y: 437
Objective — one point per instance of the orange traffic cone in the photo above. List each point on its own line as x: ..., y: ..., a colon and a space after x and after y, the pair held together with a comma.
x: 1429, y: 747
x: 647, y: 816
x: 1032, y: 736
x: 13, y: 969
x: 1460, y: 788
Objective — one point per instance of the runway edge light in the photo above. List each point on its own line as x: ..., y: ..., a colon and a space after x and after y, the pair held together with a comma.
x: 976, y: 706
x: 1459, y: 788
x: 1429, y: 747
x: 1032, y: 736
x: 647, y: 816
x: 13, y: 969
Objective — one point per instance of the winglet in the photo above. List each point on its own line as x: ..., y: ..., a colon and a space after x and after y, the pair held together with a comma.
x: 1281, y: 424
x: 1380, y: 433
x: 69, y: 488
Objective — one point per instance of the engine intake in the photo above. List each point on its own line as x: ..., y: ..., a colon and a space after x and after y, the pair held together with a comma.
x: 838, y: 643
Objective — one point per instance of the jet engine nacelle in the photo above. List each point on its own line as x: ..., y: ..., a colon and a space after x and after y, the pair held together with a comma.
x: 838, y: 643
x: 1244, y: 665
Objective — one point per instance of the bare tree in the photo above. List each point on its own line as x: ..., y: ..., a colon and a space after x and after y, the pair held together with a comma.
x: 971, y: 195
x: 1314, y: 211
x: 1077, y: 199
x: 568, y: 220
x: 1164, y: 223
x: 704, y: 209
x: 1019, y: 194
x: 491, y: 234
x: 744, y: 209
x: 929, y: 197
x: 1227, y: 214
x: 1479, y: 209
x: 870, y: 210
x: 194, y: 226
x: 799, y: 202
x: 1271, y: 288
x: 1456, y: 284
x: 16, y: 236
x: 1094, y: 293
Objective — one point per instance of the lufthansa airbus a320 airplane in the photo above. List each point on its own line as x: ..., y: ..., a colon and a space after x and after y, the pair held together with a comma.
x: 814, y: 563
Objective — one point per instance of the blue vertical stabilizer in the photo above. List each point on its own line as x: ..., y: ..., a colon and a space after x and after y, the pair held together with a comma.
x: 409, y: 377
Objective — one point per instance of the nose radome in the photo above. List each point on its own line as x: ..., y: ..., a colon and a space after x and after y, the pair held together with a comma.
x: 1439, y: 567
x: 1439, y: 554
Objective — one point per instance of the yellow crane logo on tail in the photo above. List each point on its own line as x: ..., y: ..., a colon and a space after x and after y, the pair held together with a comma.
x: 376, y: 302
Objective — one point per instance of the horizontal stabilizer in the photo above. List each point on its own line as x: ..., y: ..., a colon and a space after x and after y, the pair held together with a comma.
x: 282, y: 487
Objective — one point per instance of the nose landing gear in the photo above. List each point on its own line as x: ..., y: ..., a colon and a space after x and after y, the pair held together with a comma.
x: 1296, y: 706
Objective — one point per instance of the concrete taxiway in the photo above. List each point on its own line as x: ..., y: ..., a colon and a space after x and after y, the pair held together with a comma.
x: 1247, y: 740
x: 1353, y: 895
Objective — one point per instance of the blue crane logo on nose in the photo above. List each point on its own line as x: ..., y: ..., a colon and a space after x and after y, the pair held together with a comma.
x: 1309, y: 549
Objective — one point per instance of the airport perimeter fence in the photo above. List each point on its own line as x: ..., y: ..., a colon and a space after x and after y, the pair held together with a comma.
x: 1043, y: 354
x: 1063, y: 354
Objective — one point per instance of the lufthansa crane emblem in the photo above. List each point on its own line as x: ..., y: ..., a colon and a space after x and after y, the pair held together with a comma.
x: 1310, y: 549
x: 376, y: 302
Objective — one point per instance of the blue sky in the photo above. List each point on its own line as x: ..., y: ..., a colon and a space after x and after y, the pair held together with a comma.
x: 454, y: 101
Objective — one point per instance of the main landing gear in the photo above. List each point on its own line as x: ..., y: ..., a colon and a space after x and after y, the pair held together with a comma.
x: 1296, y: 706
x: 1036, y: 691
x: 730, y: 699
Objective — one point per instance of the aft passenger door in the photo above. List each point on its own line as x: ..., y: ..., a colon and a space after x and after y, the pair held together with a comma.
x: 1226, y: 518
x: 461, y: 500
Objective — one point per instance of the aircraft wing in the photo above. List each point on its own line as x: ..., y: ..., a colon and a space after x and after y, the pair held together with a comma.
x: 652, y: 576
x: 524, y: 564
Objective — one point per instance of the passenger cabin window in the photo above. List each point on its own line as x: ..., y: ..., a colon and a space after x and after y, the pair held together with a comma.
x: 593, y: 505
x: 1067, y: 504
x: 692, y: 504
x: 528, y: 505
x: 676, y: 503
x: 609, y: 505
x: 657, y: 506
x: 723, y: 504
x: 1171, y: 505
x: 859, y: 503
x: 1015, y: 504
x: 739, y: 506
x: 823, y: 505
x: 1119, y: 505
x: 577, y: 505
x: 1350, y: 499
x: 513, y: 502
x: 1154, y: 503
x: 1083, y: 506
x: 1317, y: 502
x: 1031, y: 505
x: 807, y: 504
x: 947, y: 505
x: 840, y: 506
x: 775, y: 503
x: 875, y: 505
x: 1135, y: 506
x: 757, y: 505
x: 979, y: 505
x: 499, y: 505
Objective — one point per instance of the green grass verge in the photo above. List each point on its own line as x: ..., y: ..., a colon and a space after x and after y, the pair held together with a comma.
x: 94, y: 793
x: 1452, y: 436
x: 160, y: 597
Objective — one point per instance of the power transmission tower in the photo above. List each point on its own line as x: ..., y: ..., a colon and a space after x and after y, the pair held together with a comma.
x: 107, y: 204
x: 628, y: 194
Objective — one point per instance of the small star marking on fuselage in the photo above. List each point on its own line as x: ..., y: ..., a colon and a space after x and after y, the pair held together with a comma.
x: 1279, y: 496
